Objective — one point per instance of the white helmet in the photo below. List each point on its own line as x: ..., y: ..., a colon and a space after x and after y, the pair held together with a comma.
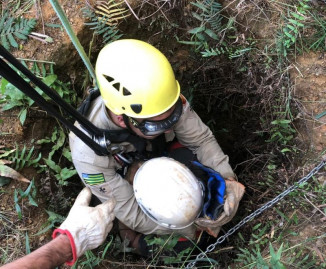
x: 168, y: 192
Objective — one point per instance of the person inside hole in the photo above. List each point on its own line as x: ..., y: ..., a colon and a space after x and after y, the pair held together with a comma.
x: 140, y: 100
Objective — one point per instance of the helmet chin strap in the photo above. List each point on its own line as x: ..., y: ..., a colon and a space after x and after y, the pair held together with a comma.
x: 127, y: 123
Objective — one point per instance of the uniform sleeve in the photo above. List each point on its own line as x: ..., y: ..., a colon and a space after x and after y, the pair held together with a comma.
x: 195, y: 135
x: 99, y: 174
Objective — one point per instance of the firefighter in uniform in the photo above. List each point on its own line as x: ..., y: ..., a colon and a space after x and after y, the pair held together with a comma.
x: 139, y: 93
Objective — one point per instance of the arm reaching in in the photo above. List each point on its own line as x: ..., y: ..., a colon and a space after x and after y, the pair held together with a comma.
x: 234, y: 193
x: 85, y: 228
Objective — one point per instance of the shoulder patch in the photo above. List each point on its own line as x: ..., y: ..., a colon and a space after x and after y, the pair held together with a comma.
x: 93, y: 179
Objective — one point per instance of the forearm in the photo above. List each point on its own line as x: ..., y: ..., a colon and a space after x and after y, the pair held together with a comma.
x: 211, y: 155
x: 54, y: 253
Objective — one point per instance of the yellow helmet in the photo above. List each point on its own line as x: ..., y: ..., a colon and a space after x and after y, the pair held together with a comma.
x: 136, y: 79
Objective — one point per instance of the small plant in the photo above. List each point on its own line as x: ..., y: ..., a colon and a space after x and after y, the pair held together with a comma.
x: 291, y: 31
x: 210, y: 24
x: 14, y: 98
x: 58, y: 138
x: 23, y: 158
x: 162, y: 249
x: 53, y: 219
x: 19, y: 160
x: 320, y: 33
x: 255, y: 259
x: 19, y: 195
x: 282, y: 133
x: 210, y: 36
x: 90, y: 260
x: 13, y: 29
x: 104, y: 18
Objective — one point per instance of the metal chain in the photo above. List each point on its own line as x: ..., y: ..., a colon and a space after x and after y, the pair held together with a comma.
x: 279, y: 197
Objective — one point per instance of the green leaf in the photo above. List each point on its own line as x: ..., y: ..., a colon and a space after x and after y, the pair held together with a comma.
x: 67, y: 173
x: 4, y: 83
x: 201, y: 37
x: 211, y: 34
x: 54, y: 217
x: 22, y: 115
x: 20, y: 35
x: 12, y: 40
x: 195, y: 43
x: 197, y: 16
x: 53, y: 166
x: 286, y: 32
x: 19, y: 211
x: 32, y: 201
x: 15, y: 196
x: 11, y: 105
x: 27, y: 191
x: 43, y: 141
x: 2, y: 21
x: 200, y: 5
x: 297, y: 16
x: 4, y: 181
x: 50, y: 79
x: 299, y: 24
x: 44, y: 230
x: 5, y: 42
x: 66, y: 152
x: 280, y: 122
x: 196, y: 30
x: 27, y: 245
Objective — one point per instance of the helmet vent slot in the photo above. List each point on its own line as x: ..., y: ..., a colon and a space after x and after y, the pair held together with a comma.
x: 108, y: 78
x: 116, y: 86
x: 137, y: 108
x: 125, y: 92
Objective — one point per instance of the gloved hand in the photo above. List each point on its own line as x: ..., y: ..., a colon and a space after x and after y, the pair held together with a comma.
x: 234, y: 193
x: 87, y: 227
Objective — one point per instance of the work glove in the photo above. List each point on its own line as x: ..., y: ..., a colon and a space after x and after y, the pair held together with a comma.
x: 87, y: 227
x: 234, y: 192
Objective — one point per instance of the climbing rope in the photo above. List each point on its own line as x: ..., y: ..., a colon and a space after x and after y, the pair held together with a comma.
x: 269, y: 204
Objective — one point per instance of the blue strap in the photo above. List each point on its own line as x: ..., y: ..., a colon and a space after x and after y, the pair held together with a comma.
x: 214, y: 193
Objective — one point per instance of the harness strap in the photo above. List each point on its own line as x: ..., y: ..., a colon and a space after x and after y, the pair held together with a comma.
x: 115, y: 136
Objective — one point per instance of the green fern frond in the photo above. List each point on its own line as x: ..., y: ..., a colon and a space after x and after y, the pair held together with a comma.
x: 110, y: 12
x: 294, y: 22
x: 210, y: 25
x: 105, y: 26
x: 209, y: 14
x: 23, y: 158
x: 225, y: 50
x: 12, y: 29
x: 210, y: 52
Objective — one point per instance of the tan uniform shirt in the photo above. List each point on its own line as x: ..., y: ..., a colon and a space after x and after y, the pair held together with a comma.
x: 99, y: 172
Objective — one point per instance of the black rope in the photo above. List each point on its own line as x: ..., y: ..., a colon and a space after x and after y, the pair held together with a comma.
x: 9, y: 74
x: 97, y: 134
x: 90, y: 127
